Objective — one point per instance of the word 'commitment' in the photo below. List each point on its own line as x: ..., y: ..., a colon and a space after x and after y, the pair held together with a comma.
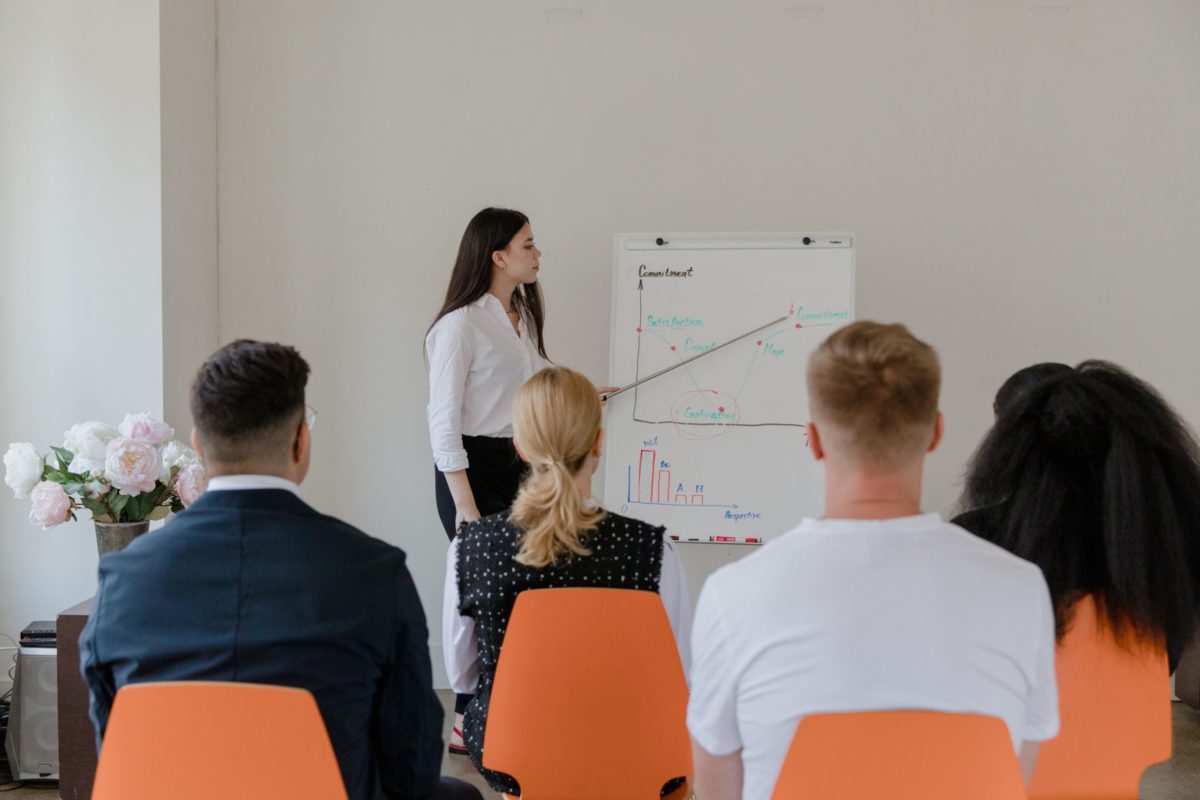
x: 643, y: 272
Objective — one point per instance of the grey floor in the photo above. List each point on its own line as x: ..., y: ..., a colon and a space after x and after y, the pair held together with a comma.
x: 1177, y: 779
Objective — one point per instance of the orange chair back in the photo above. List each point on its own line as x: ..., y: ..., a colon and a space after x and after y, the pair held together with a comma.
x: 589, y: 699
x: 193, y: 740
x: 1114, y: 704
x: 900, y: 755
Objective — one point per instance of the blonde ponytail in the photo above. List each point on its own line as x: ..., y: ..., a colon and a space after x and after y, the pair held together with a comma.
x: 556, y: 419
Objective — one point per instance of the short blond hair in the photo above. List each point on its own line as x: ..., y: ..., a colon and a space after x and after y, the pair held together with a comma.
x: 556, y: 419
x: 873, y: 392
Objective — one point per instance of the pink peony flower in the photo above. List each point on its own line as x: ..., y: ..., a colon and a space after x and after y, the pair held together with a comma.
x: 191, y: 483
x: 146, y: 428
x: 51, y: 504
x: 131, y: 465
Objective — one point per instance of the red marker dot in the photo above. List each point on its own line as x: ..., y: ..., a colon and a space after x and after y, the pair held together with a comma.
x: 760, y: 342
x: 721, y: 409
x: 673, y: 347
x: 798, y: 325
x: 639, y: 330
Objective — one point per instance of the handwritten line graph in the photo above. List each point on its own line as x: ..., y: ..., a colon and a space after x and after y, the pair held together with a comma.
x: 718, y: 414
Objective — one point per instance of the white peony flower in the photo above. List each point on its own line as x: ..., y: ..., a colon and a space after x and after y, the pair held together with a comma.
x: 22, y: 468
x: 146, y: 428
x: 87, y: 440
x: 176, y: 454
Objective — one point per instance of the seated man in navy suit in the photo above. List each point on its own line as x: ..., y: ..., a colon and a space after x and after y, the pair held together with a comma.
x: 251, y: 584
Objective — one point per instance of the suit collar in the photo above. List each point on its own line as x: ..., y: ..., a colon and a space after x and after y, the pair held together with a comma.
x: 251, y: 499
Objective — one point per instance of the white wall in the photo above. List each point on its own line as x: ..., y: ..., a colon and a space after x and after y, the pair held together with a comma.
x: 80, y: 253
x: 1023, y: 185
x: 188, y: 60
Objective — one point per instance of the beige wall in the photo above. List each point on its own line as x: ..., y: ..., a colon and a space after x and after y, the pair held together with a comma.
x: 108, y: 275
x: 188, y: 37
x: 80, y: 253
x: 1023, y: 186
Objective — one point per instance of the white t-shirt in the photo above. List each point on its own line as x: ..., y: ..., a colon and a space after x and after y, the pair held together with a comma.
x: 854, y: 615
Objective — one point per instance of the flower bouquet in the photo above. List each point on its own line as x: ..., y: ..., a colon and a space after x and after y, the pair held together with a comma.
x: 127, y: 476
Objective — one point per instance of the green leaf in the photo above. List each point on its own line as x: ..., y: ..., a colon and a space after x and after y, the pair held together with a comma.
x: 135, y: 511
x: 155, y: 495
x: 56, y: 476
x: 65, y: 457
x: 159, y: 512
x: 176, y: 505
x: 99, y: 512
x: 117, y: 501
x: 73, y: 487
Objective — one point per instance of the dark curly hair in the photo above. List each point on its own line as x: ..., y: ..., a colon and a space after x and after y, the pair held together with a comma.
x: 1092, y: 476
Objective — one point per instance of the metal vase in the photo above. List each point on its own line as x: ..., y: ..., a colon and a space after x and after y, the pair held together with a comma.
x: 114, y: 536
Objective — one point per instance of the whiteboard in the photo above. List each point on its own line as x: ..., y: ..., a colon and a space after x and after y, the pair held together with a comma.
x: 716, y: 449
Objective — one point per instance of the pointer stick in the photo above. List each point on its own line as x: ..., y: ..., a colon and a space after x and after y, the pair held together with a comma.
x: 693, y: 358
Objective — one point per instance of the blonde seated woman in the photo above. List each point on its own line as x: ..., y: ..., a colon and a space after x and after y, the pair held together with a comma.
x: 555, y: 535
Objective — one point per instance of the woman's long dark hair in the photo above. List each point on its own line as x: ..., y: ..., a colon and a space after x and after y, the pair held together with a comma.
x: 1093, y: 477
x: 488, y: 231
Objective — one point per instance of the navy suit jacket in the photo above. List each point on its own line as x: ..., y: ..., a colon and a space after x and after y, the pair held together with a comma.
x: 256, y: 586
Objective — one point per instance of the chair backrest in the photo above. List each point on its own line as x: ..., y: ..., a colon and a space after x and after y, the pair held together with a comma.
x: 900, y: 755
x: 589, y: 699
x: 193, y: 740
x: 1115, y: 709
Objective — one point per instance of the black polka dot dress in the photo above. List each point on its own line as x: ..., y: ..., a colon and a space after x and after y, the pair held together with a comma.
x: 626, y: 554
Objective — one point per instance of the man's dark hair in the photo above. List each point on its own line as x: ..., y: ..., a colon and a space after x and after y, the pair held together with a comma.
x: 247, y: 399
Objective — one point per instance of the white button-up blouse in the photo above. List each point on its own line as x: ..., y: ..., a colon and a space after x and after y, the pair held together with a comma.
x: 476, y: 364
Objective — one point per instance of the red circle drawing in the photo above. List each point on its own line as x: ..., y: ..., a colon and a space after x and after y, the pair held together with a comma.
x: 705, y: 414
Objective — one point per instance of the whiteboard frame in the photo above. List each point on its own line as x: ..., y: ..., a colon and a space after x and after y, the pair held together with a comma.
x: 742, y: 240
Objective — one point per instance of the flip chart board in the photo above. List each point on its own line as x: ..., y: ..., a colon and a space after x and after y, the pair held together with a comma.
x: 716, y: 449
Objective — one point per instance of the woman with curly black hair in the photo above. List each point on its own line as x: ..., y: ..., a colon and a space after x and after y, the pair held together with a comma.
x: 1091, y: 475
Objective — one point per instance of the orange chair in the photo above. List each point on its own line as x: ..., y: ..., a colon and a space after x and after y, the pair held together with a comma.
x: 589, y: 700
x: 1115, y: 707
x: 235, y: 741
x: 900, y: 755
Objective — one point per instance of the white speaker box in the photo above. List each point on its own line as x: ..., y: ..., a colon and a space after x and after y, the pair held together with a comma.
x: 32, y: 741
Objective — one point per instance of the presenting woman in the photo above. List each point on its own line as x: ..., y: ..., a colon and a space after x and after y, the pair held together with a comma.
x: 485, y: 342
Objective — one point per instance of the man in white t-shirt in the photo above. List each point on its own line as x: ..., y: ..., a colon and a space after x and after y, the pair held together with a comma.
x: 874, y: 606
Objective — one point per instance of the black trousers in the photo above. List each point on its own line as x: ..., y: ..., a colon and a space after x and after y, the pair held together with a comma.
x: 454, y: 789
x: 495, y: 474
